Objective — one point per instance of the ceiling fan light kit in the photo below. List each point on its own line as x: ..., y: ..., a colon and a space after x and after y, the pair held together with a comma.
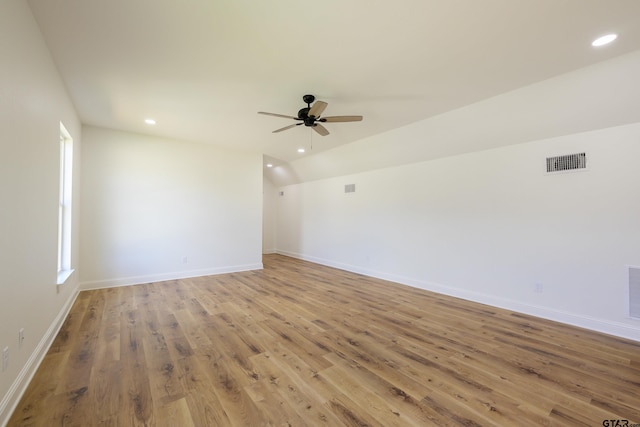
x: 311, y: 116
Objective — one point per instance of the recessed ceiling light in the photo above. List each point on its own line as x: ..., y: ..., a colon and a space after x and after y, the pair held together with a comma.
x: 150, y: 121
x: 601, y: 41
x: 300, y: 150
x: 269, y: 165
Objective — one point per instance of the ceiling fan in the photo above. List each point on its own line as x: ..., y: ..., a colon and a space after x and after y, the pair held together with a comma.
x: 311, y: 116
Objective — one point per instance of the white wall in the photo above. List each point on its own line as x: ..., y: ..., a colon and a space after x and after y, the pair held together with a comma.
x: 148, y: 202
x: 488, y: 226
x: 269, y: 216
x: 33, y: 102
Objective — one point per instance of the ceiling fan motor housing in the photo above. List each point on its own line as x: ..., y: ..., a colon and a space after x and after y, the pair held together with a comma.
x: 303, y: 114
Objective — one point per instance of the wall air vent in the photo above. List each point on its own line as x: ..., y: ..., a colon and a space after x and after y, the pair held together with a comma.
x: 567, y: 163
x: 350, y: 188
x: 634, y: 292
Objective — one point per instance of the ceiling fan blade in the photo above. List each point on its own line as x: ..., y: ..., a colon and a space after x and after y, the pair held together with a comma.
x: 341, y: 119
x: 286, y: 127
x: 317, y: 109
x: 320, y: 129
x: 278, y: 115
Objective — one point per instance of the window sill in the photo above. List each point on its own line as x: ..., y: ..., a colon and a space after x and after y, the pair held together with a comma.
x: 63, y: 276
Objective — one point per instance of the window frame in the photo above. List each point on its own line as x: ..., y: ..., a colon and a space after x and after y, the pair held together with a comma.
x: 65, y: 199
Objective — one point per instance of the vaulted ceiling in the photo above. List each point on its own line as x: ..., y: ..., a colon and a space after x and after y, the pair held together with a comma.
x: 203, y: 68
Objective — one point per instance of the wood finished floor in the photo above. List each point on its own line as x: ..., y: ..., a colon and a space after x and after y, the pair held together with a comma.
x: 299, y: 344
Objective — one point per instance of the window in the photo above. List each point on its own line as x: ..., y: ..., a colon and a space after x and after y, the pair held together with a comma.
x: 64, y: 206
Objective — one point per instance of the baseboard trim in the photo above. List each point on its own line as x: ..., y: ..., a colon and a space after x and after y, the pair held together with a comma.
x: 138, y: 280
x: 19, y: 386
x: 594, y: 324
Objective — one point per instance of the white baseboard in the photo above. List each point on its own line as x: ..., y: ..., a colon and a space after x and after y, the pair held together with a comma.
x: 19, y: 386
x: 138, y: 280
x: 599, y: 325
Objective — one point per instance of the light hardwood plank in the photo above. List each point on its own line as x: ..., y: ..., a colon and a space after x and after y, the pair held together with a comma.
x: 302, y: 344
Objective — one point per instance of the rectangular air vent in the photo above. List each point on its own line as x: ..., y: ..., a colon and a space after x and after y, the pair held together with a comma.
x: 634, y: 292
x: 568, y: 162
x: 350, y: 188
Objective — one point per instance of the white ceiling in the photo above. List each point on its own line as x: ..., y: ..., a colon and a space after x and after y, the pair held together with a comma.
x: 203, y: 68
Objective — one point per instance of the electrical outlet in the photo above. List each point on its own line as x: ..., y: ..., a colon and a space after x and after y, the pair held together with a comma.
x: 21, y: 336
x: 185, y: 259
x: 537, y: 288
x: 5, y: 359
